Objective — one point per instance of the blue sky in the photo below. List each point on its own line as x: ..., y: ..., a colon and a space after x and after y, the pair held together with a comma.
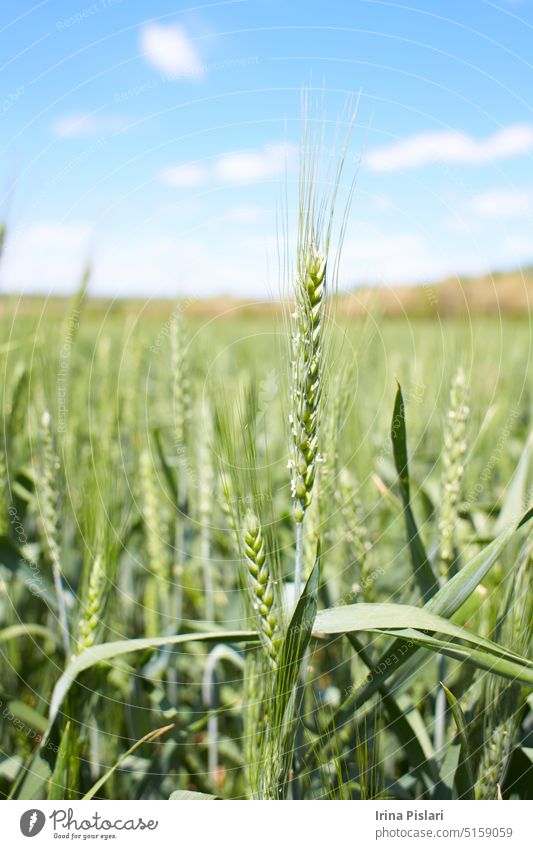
x: 162, y: 147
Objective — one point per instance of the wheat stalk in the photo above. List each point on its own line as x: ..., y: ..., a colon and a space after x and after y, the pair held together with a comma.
x: 310, y: 284
x: 253, y: 716
x: 355, y: 533
x: 154, y: 526
x: 181, y: 404
x: 453, y: 468
x: 206, y: 485
x: 497, y: 747
x: 156, y: 589
x: 227, y: 504
x: 49, y: 520
x: 180, y: 382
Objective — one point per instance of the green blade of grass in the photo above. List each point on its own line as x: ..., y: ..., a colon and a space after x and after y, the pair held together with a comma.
x: 191, y: 796
x: 56, y: 785
x: 15, y: 632
x: 38, y: 584
x: 422, y: 570
x: 399, y: 724
x: 411, y: 622
x: 296, y: 641
x: 32, y: 719
x: 170, y: 475
x: 515, y: 669
x: 515, y: 496
x: 148, y: 738
x: 107, y: 651
x: 444, y: 603
x: 464, y: 778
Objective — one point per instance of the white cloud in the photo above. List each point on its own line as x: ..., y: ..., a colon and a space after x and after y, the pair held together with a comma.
x: 450, y: 146
x: 250, y: 166
x: 186, y: 175
x: 519, y: 246
x: 199, y: 266
x: 243, y: 213
x: 502, y: 203
x: 85, y: 124
x: 215, y: 260
x: 46, y: 256
x: 169, y: 49
x: 247, y: 166
x: 463, y: 222
x: 381, y: 203
x: 377, y: 256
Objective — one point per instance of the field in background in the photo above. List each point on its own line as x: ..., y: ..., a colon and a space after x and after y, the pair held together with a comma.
x: 500, y: 293
x: 92, y: 399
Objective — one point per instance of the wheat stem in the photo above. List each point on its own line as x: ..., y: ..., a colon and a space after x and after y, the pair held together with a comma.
x: 156, y: 590
x: 298, y: 566
x: 206, y: 483
x: 453, y: 468
x: 49, y: 522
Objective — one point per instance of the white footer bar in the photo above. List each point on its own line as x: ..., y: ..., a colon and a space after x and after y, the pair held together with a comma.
x: 229, y: 825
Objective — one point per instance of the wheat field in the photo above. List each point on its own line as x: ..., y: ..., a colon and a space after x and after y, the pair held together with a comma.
x: 284, y: 555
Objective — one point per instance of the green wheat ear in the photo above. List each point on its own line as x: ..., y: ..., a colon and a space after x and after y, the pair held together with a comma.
x: 306, y: 384
x: 91, y: 620
x: 453, y: 468
x: 262, y: 587
x: 158, y: 572
x: 181, y: 394
x: 307, y: 378
x: 48, y: 506
x: 154, y: 526
x: 310, y: 283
